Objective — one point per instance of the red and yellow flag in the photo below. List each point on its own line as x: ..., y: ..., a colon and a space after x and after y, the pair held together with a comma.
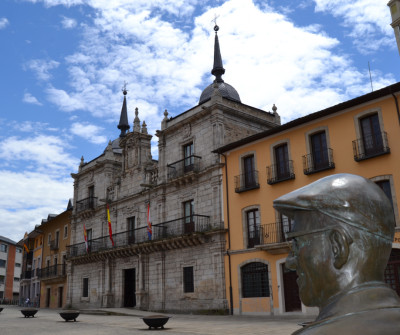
x: 149, y: 228
x: 85, y: 237
x: 26, y: 248
x: 109, y: 225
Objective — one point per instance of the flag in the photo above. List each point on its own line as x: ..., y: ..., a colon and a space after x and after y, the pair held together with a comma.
x: 85, y: 236
x: 149, y: 229
x: 26, y: 248
x: 109, y: 225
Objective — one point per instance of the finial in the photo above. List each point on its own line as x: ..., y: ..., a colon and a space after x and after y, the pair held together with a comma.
x: 82, y: 161
x: 144, y: 128
x: 218, y: 69
x: 123, y: 120
x: 274, y: 108
x: 165, y: 115
x: 216, y: 28
x: 136, y: 121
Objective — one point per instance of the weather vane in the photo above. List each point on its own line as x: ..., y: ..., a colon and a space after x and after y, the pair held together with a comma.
x: 216, y: 28
x: 124, y: 90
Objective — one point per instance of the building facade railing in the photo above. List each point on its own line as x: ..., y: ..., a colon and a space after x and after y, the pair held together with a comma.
x: 318, y: 161
x: 54, y: 244
x: 174, y: 228
x: 277, y: 173
x: 184, y: 166
x: 370, y: 146
x: 52, y: 271
x: 271, y: 233
x: 246, y: 181
x: 26, y: 274
x: 85, y: 204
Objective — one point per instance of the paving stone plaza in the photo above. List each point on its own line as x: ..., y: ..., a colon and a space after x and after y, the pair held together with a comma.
x: 121, y: 321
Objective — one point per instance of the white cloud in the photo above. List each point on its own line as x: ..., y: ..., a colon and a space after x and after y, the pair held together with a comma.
x: 45, y: 154
x: 368, y: 21
x: 34, y: 196
x: 30, y: 99
x: 42, y: 68
x: 89, y: 132
x: 68, y: 23
x: 3, y: 22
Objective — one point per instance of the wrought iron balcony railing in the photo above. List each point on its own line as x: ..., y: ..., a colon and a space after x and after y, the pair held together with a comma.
x: 271, y: 233
x: 174, y: 228
x: 246, y: 181
x: 318, y: 161
x: 277, y: 173
x: 51, y: 272
x: 370, y: 146
x: 184, y: 166
x: 85, y: 204
x: 26, y: 274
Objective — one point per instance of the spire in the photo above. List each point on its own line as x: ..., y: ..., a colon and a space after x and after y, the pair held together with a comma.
x: 218, y: 69
x: 123, y: 121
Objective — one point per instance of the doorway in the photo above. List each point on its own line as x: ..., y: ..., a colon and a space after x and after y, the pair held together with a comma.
x: 291, y: 290
x: 60, y: 296
x: 130, y: 288
x: 48, y: 297
x: 392, y: 271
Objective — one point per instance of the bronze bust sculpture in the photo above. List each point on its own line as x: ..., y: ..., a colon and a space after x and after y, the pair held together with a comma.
x: 341, y: 242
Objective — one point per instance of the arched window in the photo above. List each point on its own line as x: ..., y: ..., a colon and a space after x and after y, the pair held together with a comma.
x: 255, y: 280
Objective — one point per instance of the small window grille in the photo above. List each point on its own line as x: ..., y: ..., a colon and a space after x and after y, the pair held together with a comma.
x: 188, y: 285
x: 255, y: 280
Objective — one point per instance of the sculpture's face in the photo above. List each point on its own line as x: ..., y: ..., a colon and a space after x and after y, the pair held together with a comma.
x: 311, y: 257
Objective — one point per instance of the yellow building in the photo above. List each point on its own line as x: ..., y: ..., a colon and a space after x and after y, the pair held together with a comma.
x: 359, y: 136
x: 53, y: 272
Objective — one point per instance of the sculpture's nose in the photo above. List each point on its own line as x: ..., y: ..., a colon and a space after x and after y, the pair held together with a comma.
x: 291, y: 262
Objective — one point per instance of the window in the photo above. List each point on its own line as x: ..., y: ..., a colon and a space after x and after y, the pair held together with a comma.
x: 188, y: 211
x: 253, y: 228
x: 3, y: 247
x: 188, y: 285
x: 17, y: 265
x: 19, y: 251
x: 320, y: 157
x: 89, y: 239
x: 286, y: 226
x: 249, y: 175
x: 2, y: 263
x: 371, y: 141
x: 65, y: 231
x: 57, y: 238
x: 85, y: 287
x: 16, y: 279
x: 2, y: 279
x: 188, y: 157
x: 283, y: 167
x: 49, y: 239
x: 91, y: 197
x: 255, y: 280
x: 131, y: 229
x: 385, y: 186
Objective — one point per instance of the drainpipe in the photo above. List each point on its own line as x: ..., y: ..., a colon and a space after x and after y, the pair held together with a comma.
x: 397, y: 104
x: 229, y: 238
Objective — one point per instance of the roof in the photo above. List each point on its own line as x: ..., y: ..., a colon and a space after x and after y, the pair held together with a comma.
x: 388, y: 90
x: 7, y: 240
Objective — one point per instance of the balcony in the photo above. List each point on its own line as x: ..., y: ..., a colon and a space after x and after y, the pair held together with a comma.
x: 370, y: 146
x: 178, y: 228
x: 86, y: 204
x: 52, y: 272
x: 183, y: 167
x: 54, y: 245
x: 277, y: 173
x: 247, y: 181
x: 318, y: 161
x: 26, y: 274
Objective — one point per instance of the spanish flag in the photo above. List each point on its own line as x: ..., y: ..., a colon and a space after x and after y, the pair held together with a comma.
x: 109, y: 225
x: 85, y: 237
x: 26, y: 248
x: 149, y: 228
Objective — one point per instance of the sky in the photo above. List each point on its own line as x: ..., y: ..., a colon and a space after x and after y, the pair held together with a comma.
x: 63, y: 64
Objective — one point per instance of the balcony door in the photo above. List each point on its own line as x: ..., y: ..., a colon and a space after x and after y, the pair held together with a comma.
x: 253, y: 228
x: 188, y: 208
x: 282, y: 161
x: 319, y: 149
x: 371, y: 135
x: 131, y: 230
x: 188, y: 157
x: 249, y: 172
x: 91, y: 197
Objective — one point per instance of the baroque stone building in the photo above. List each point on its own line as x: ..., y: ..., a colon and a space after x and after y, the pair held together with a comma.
x: 178, y: 264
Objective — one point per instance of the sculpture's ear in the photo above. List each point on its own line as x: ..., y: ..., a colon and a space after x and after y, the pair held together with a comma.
x: 340, y: 247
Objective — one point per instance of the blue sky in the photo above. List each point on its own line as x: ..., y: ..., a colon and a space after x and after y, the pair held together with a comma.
x: 64, y: 62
